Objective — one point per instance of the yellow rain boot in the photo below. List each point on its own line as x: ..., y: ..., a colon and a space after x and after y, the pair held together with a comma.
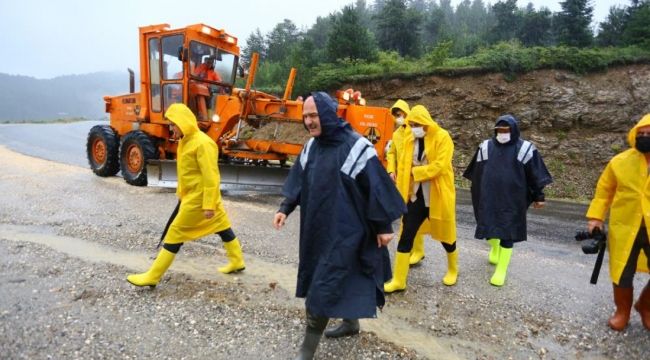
x: 417, y: 253
x: 158, y: 268
x: 452, y: 269
x: 499, y: 277
x: 233, y: 251
x: 494, y: 251
x: 398, y: 282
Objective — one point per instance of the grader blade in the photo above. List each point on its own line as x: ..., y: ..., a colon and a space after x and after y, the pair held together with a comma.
x: 162, y: 173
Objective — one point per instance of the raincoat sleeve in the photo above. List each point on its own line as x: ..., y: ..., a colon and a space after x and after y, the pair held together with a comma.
x: 385, y: 204
x: 604, y: 195
x: 469, y: 171
x: 391, y: 158
x: 292, y: 188
x: 444, y: 153
x: 206, y: 157
x: 287, y: 206
x: 537, y: 177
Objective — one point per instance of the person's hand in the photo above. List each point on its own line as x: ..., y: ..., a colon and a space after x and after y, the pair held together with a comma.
x: 538, y: 204
x: 594, y: 223
x: 208, y: 214
x: 384, y: 239
x: 392, y: 176
x: 278, y: 220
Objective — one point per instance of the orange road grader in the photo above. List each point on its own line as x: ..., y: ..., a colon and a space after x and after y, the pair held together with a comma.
x: 173, y: 62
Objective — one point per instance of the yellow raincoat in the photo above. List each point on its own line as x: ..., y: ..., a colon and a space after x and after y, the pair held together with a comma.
x: 439, y: 149
x: 624, y: 190
x: 397, y: 140
x: 198, y: 181
x: 396, y: 149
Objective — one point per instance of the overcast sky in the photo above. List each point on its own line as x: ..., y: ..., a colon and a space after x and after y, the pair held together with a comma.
x: 49, y: 38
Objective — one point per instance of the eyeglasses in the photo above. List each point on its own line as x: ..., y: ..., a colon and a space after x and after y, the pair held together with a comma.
x: 643, y: 134
x: 312, y: 115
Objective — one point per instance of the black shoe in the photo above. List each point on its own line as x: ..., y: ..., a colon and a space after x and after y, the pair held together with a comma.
x: 348, y: 327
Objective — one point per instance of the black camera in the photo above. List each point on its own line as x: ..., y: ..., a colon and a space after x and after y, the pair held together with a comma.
x: 598, y: 239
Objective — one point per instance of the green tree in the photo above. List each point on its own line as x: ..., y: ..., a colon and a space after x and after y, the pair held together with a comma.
x: 535, y: 28
x: 435, y: 26
x: 319, y: 33
x: 254, y: 43
x: 506, y: 21
x: 304, y: 57
x: 348, y: 39
x: 398, y: 28
x: 637, y: 29
x: 280, y: 39
x: 611, y: 30
x: 573, y: 23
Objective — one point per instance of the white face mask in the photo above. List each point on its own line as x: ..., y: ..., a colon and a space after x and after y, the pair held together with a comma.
x: 399, y: 120
x: 503, y: 137
x: 418, y: 131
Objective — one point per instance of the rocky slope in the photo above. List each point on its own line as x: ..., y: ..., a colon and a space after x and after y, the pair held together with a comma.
x: 577, y: 122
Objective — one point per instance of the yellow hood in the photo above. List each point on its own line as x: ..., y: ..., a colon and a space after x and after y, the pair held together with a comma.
x: 631, y: 136
x: 401, y: 105
x: 420, y: 115
x: 183, y: 117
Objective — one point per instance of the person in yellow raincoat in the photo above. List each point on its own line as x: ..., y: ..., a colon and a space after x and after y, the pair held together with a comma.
x: 201, y: 211
x: 400, y: 111
x: 624, y: 190
x: 425, y: 179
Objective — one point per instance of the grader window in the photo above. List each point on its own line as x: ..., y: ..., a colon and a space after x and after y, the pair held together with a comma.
x: 172, y: 67
x: 173, y: 93
x: 154, y: 73
x: 211, y: 64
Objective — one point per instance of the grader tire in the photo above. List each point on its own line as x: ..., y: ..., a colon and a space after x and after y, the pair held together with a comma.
x: 102, y: 150
x: 137, y: 148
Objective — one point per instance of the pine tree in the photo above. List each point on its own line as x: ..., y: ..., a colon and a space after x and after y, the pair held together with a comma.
x: 573, y: 23
x: 398, y: 28
x: 254, y: 43
x: 348, y: 39
x: 637, y: 28
x: 611, y: 30
x: 280, y: 39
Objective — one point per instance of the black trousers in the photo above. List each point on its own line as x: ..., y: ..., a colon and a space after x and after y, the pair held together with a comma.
x: 225, y: 235
x: 417, y: 212
x: 640, y: 243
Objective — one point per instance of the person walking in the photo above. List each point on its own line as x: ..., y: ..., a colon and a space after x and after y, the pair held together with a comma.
x: 622, y: 190
x: 425, y: 180
x: 201, y: 211
x: 400, y: 111
x: 507, y: 175
x: 347, y: 205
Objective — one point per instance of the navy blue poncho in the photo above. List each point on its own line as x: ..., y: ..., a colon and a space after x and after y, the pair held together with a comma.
x: 506, y: 179
x: 346, y: 198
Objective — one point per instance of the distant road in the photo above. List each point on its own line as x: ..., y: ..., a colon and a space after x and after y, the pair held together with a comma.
x: 60, y: 142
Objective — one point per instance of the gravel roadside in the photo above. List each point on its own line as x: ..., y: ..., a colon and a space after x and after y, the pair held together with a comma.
x: 58, y: 305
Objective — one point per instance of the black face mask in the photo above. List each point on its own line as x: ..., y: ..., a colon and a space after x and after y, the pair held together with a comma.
x: 643, y: 144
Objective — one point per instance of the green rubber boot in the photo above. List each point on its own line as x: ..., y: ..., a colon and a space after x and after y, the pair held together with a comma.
x: 499, y: 277
x: 494, y: 251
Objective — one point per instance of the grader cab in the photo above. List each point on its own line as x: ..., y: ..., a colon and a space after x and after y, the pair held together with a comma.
x: 197, y: 65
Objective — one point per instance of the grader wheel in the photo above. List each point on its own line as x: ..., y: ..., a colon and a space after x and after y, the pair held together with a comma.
x: 102, y: 150
x: 137, y: 148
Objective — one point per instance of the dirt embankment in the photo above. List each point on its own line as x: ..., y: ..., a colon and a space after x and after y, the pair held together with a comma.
x: 577, y: 122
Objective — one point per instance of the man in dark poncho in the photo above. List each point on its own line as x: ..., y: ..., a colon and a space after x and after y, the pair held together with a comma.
x: 347, y: 204
x: 507, y: 174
